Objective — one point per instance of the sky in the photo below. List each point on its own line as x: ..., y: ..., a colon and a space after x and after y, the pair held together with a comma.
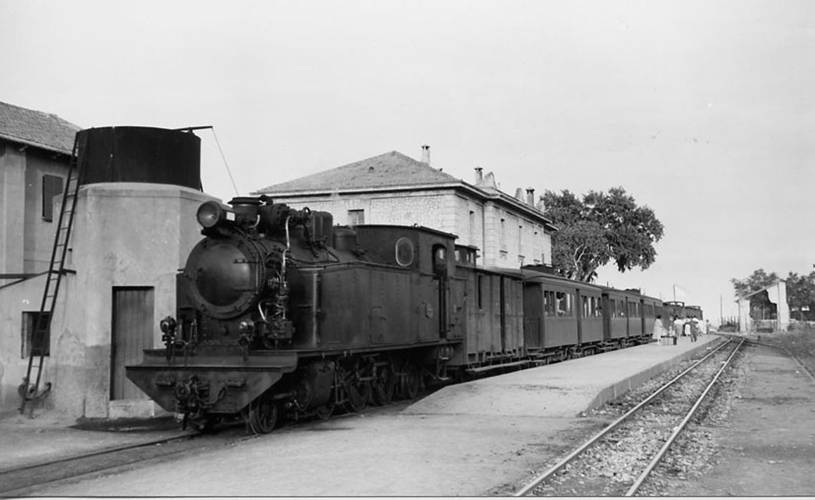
x: 702, y: 110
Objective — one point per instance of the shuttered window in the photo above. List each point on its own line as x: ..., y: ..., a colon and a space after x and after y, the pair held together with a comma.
x: 51, y: 186
x: 31, y: 344
x: 356, y: 217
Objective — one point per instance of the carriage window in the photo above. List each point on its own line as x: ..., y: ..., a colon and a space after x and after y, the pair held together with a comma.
x: 586, y: 307
x: 563, y: 302
x: 404, y: 252
x: 596, y: 310
x: 549, y: 302
x: 612, y: 308
x: 621, y: 309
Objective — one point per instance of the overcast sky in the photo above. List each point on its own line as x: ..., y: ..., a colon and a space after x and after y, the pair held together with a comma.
x: 702, y: 110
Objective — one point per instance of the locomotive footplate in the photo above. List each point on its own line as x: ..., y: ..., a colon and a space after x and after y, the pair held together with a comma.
x: 223, y: 385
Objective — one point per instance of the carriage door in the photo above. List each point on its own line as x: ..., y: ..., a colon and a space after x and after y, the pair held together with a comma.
x: 132, y: 332
x: 581, y: 307
x: 440, y: 270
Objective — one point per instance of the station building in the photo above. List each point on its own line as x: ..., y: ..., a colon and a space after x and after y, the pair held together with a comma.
x: 134, y: 225
x: 392, y: 188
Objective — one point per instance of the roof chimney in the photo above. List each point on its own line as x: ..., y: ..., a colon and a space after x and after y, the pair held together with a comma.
x: 540, y: 206
x: 530, y: 197
x: 426, y: 154
x: 519, y: 194
x: 479, y: 175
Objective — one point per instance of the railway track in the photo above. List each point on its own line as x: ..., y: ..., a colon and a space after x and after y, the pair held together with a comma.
x: 19, y: 481
x: 639, y: 439
x: 26, y: 480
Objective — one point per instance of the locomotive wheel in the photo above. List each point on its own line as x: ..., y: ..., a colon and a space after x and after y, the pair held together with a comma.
x: 412, y: 382
x: 262, y: 416
x: 358, y: 395
x: 384, y: 386
x: 324, y: 412
x: 203, y: 424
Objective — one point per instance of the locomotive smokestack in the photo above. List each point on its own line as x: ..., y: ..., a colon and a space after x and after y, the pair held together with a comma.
x: 479, y: 175
x: 426, y: 154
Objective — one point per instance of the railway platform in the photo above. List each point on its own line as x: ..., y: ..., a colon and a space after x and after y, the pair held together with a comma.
x: 562, y: 390
x: 464, y: 420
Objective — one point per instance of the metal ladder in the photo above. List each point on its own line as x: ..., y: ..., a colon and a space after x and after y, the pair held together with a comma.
x: 30, y: 392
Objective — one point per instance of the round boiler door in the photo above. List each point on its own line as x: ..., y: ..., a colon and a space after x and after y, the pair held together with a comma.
x: 224, y: 278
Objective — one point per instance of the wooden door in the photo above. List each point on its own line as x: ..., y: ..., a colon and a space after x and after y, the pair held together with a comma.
x: 133, y: 325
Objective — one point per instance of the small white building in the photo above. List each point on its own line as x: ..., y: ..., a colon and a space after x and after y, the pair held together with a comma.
x: 393, y: 188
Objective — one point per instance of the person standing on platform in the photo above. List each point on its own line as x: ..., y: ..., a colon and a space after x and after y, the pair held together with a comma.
x: 677, y: 327
x: 659, y: 330
x: 694, y: 329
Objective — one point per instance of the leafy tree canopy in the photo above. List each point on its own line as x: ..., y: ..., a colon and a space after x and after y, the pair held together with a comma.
x: 801, y: 290
x: 599, y: 228
x: 759, y: 280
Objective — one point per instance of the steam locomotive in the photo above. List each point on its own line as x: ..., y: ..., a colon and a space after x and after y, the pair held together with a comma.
x: 280, y: 313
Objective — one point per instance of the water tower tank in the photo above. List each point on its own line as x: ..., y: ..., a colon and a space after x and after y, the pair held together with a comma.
x: 140, y: 154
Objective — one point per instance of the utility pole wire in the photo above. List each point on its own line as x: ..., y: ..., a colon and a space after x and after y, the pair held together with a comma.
x: 223, y: 157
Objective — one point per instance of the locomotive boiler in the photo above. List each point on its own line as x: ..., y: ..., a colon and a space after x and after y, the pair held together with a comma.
x: 279, y: 312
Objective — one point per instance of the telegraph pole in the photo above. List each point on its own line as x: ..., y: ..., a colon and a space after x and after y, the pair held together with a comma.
x: 721, y: 310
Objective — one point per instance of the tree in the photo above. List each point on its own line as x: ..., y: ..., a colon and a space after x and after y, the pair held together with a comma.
x: 599, y: 228
x: 801, y: 293
x: 759, y: 280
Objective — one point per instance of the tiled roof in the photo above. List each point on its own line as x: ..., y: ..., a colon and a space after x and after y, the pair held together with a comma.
x: 394, y: 170
x: 386, y: 170
x: 35, y: 128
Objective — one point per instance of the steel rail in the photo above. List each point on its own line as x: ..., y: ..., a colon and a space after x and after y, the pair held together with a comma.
x: 571, y: 456
x: 797, y: 361
x: 92, y: 454
x: 678, y: 429
x: 783, y: 349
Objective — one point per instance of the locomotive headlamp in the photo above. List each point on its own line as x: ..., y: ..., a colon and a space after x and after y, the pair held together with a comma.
x: 168, y: 324
x: 210, y: 214
x: 246, y: 326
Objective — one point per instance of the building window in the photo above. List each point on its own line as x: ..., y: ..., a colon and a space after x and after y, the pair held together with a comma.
x: 503, y: 234
x: 51, y: 186
x: 480, y: 292
x: 30, y: 344
x: 356, y: 217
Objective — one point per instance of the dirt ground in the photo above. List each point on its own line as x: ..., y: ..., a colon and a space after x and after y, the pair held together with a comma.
x: 377, y: 453
x: 767, y: 447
